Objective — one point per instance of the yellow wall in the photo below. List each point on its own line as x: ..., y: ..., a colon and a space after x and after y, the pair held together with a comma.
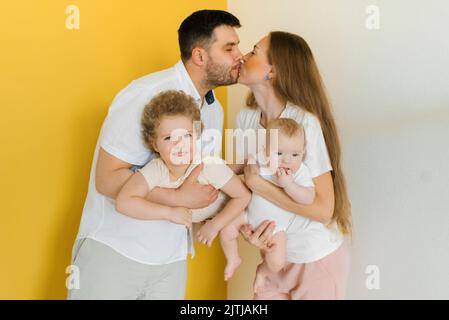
x: 56, y: 85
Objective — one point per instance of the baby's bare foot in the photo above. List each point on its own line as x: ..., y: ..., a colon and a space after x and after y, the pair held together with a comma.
x: 231, y: 266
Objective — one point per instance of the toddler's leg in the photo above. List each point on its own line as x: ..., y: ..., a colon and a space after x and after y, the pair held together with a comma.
x: 273, y: 261
x: 228, y: 239
x: 276, y: 258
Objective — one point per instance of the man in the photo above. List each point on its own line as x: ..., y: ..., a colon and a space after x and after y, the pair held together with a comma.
x: 111, y: 249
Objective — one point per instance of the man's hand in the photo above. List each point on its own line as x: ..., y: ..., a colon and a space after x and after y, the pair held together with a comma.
x: 182, y: 216
x: 207, y: 233
x: 194, y: 194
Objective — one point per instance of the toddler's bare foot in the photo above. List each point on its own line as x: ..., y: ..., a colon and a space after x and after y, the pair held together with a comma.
x: 259, y: 281
x: 231, y: 266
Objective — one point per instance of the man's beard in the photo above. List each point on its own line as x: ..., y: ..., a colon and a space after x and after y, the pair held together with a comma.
x: 218, y: 75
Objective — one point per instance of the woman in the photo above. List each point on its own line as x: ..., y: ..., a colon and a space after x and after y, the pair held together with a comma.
x: 285, y: 82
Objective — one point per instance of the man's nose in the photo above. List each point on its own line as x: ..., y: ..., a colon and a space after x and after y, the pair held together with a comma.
x: 239, y: 57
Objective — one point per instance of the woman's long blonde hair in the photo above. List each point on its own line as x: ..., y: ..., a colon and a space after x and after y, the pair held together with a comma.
x: 298, y: 80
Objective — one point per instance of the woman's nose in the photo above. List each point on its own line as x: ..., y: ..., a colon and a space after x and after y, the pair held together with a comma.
x: 245, y: 57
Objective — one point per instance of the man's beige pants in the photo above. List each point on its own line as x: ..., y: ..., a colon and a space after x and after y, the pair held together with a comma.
x: 106, y: 274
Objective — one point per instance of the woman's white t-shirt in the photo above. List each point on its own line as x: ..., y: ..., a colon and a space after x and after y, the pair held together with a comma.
x: 308, y: 240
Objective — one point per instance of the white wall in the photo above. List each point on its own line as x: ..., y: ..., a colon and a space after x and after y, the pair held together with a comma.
x: 389, y: 89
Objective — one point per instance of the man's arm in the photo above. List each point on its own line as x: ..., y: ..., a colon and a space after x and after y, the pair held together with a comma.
x: 237, y: 168
x: 191, y: 194
x: 131, y: 202
x: 112, y: 174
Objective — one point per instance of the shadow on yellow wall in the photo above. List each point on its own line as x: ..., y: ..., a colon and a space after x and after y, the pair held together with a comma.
x: 57, y: 85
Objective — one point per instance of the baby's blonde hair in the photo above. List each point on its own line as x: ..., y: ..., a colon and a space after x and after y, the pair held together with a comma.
x: 286, y: 126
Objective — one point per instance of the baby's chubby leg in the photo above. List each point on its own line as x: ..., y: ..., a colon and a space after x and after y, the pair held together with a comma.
x: 228, y: 239
x: 273, y: 260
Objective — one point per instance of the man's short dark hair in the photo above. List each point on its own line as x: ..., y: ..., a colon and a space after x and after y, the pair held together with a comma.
x: 197, y: 29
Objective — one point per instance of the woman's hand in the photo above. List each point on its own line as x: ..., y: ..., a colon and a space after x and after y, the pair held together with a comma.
x: 261, y: 237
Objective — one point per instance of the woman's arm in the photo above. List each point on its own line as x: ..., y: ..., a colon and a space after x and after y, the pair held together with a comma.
x: 320, y: 210
x: 300, y: 194
x: 131, y: 202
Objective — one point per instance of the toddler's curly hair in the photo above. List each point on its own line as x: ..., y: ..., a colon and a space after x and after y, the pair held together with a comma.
x: 167, y: 103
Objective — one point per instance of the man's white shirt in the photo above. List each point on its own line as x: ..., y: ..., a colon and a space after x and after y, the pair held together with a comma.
x: 147, y: 241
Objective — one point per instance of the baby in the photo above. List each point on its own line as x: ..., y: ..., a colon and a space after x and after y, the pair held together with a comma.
x: 281, y: 163
x: 168, y: 130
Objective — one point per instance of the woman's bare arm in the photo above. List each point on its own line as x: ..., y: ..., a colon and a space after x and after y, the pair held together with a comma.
x: 301, y: 194
x: 320, y: 210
